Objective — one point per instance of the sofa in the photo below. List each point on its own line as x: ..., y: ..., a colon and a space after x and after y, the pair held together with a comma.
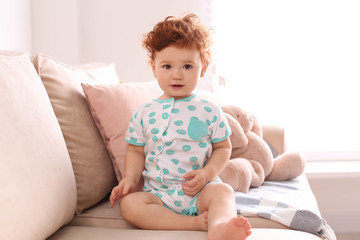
x: 62, y: 147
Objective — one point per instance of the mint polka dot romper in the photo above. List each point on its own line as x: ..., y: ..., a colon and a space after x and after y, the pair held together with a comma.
x: 177, y: 136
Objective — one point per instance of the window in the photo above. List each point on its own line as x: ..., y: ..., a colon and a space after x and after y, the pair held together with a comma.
x: 296, y: 64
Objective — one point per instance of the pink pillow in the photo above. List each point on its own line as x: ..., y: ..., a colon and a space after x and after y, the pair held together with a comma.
x: 111, y: 107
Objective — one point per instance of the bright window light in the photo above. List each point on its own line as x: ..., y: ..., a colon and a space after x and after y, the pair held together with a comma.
x: 295, y: 64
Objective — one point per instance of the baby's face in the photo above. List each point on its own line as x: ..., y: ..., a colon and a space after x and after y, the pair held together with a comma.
x: 178, y: 71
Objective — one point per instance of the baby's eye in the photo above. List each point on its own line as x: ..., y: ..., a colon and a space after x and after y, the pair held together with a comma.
x: 187, y: 66
x: 166, y: 66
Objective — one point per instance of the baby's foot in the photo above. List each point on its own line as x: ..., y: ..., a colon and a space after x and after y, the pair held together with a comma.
x: 200, y: 222
x: 237, y: 228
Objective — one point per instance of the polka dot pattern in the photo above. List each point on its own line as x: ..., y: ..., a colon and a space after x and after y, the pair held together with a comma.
x: 177, y: 137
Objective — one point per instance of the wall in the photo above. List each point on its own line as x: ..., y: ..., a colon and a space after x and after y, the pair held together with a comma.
x: 55, y: 29
x: 104, y: 30
x: 15, y: 25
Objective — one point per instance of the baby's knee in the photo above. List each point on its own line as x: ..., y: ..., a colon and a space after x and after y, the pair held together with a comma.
x: 224, y: 189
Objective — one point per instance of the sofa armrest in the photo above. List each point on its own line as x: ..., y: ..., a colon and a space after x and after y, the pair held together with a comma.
x: 275, y: 136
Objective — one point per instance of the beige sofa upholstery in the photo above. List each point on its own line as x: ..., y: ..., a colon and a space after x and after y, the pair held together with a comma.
x: 55, y: 172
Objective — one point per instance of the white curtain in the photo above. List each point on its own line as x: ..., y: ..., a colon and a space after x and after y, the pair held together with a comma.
x: 296, y: 64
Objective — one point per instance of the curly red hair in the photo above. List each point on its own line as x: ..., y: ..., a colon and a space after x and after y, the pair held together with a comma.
x: 185, y: 32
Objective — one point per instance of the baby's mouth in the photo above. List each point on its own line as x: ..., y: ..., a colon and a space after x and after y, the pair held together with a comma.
x: 177, y: 86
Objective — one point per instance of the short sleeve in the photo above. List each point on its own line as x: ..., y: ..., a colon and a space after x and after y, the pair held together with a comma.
x: 220, y: 129
x: 135, y: 132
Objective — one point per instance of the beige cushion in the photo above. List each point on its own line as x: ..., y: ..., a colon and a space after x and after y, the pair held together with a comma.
x: 111, y: 107
x: 37, y: 184
x: 101, y: 215
x: 90, y: 233
x: 92, y: 165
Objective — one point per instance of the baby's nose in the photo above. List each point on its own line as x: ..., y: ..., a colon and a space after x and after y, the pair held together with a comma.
x: 177, y: 74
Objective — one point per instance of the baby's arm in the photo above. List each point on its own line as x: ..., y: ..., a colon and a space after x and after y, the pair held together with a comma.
x: 134, y: 165
x: 197, y: 179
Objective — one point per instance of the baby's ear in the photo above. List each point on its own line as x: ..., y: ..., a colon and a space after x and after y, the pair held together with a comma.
x: 153, y: 68
x: 203, y: 71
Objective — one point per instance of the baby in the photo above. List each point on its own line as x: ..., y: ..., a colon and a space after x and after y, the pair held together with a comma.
x: 179, y: 143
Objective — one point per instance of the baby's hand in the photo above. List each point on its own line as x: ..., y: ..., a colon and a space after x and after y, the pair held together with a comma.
x: 195, y: 181
x: 126, y: 186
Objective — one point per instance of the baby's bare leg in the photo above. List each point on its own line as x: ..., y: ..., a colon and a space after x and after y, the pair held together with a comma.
x: 223, y: 223
x: 146, y: 211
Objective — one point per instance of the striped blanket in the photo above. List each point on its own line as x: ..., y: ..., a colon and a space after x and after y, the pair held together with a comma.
x: 290, y: 203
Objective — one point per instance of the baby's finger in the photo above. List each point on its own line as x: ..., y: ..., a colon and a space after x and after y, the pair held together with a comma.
x: 190, y: 190
x: 190, y: 183
x: 187, y: 192
x: 190, y: 193
x: 112, y: 198
x: 125, y: 190
x: 189, y: 175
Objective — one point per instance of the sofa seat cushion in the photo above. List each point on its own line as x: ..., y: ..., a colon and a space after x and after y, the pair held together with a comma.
x: 92, y: 165
x: 38, y: 192
x: 89, y: 233
x: 101, y: 215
